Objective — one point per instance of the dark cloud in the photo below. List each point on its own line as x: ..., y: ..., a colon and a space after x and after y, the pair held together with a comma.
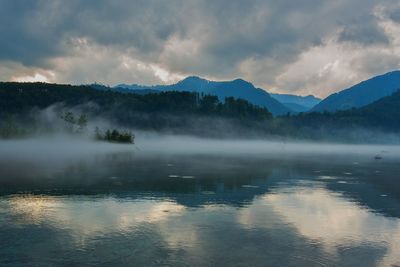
x: 33, y: 30
x: 144, y: 25
x: 255, y: 39
x: 25, y: 37
x: 229, y: 29
x: 365, y: 31
x: 394, y: 13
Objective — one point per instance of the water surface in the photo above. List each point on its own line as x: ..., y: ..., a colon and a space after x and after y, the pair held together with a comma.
x: 198, y: 209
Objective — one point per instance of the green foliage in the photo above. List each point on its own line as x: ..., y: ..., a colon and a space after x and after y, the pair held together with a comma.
x: 8, y: 129
x: 82, y: 122
x: 184, y: 110
x: 69, y: 119
x: 150, y: 111
x: 381, y: 115
x: 74, y: 125
x: 115, y: 136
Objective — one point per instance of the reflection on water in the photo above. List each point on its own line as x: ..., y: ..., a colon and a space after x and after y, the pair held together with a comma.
x: 201, y: 210
x: 336, y: 224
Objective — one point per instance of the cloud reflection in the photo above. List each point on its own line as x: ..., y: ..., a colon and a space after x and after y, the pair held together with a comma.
x: 89, y: 217
x: 328, y: 219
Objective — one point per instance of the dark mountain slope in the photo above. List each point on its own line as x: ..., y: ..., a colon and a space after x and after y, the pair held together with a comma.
x: 237, y: 88
x: 361, y: 94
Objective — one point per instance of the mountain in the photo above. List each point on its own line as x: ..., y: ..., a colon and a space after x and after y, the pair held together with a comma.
x: 361, y: 94
x: 22, y: 104
x: 296, y: 108
x: 237, y: 88
x: 383, y: 114
x: 141, y: 91
x: 297, y: 103
x: 380, y: 116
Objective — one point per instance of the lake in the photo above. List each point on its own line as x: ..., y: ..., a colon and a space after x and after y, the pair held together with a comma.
x: 279, y: 206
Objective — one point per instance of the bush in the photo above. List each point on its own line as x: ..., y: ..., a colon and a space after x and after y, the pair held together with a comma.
x: 115, y: 136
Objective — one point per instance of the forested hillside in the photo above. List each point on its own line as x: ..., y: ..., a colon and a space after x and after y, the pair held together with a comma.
x: 238, y: 88
x: 361, y: 94
x: 192, y: 113
x: 149, y: 111
x: 383, y: 114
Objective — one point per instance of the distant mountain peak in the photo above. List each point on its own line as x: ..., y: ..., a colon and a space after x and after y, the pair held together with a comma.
x: 297, y: 103
x: 362, y: 94
x: 242, y: 82
x: 238, y: 88
x: 194, y: 82
x: 199, y: 80
x: 193, y: 79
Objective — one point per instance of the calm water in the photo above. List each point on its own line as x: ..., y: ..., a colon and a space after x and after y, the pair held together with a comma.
x: 201, y: 210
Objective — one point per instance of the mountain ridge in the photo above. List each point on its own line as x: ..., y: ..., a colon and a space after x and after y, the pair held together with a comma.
x: 361, y: 94
x: 297, y: 103
x: 237, y: 88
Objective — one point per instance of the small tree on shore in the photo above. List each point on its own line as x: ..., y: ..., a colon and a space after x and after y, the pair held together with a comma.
x: 69, y: 119
x: 82, y: 122
x: 74, y: 124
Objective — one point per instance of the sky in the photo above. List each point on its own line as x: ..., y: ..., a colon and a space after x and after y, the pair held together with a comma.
x: 299, y: 47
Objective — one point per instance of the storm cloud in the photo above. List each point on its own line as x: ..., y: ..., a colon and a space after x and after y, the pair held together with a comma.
x: 304, y: 47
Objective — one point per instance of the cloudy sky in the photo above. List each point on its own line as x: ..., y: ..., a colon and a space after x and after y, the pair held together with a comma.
x: 302, y: 47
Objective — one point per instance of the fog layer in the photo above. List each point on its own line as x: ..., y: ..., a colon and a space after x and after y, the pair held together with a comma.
x: 64, y: 147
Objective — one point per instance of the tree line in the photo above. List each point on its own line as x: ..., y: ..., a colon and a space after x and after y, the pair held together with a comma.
x: 185, y: 111
x: 20, y: 97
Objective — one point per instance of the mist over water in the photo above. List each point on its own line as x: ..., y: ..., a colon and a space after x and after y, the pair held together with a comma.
x: 186, y: 201
x: 63, y: 146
